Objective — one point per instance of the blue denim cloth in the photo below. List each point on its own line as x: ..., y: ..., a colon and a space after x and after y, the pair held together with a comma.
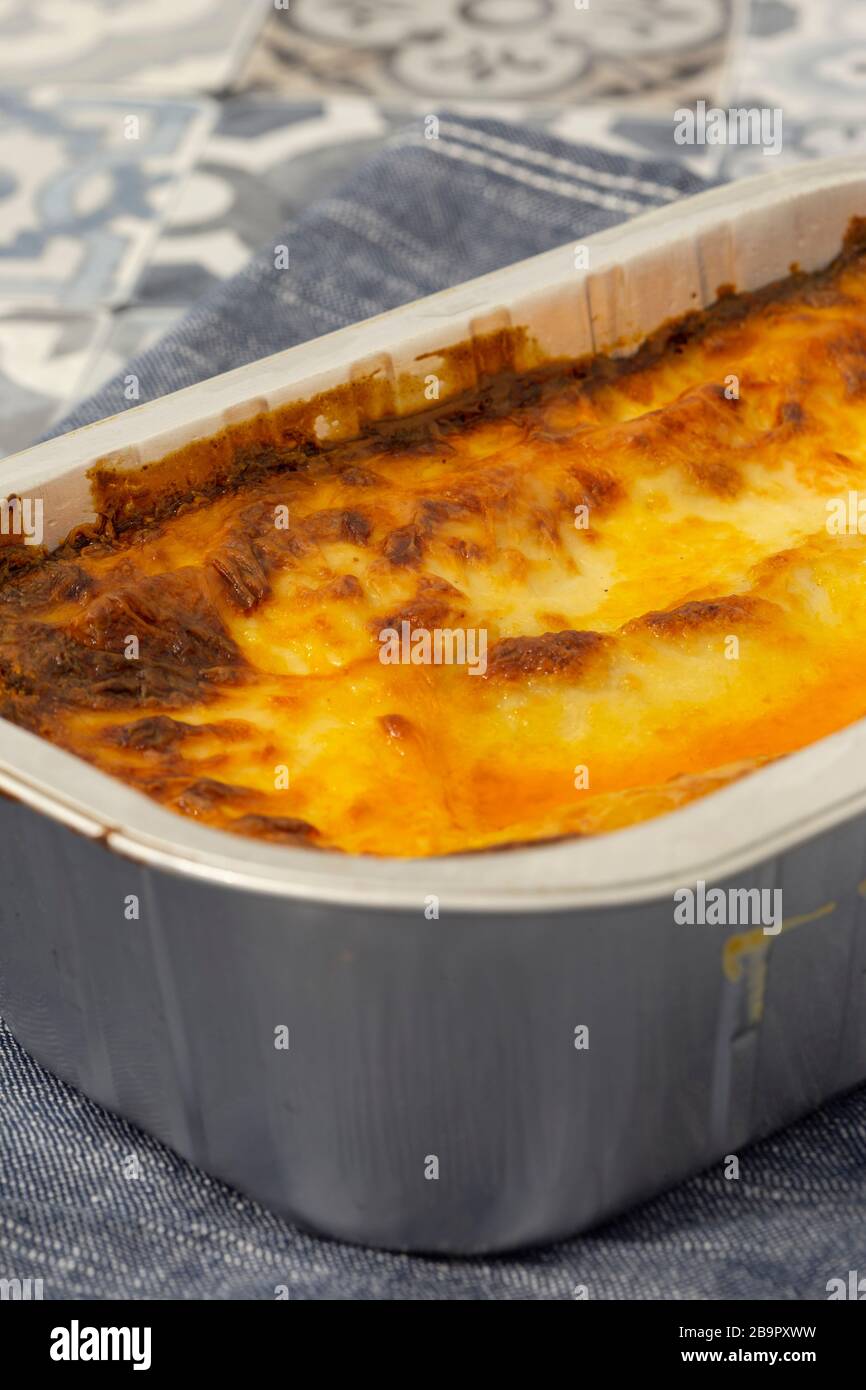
x: 423, y: 215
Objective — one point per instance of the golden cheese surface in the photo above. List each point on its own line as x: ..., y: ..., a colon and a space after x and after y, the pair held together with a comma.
x: 648, y: 575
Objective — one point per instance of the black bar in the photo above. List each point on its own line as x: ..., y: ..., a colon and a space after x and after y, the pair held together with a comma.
x: 248, y: 1337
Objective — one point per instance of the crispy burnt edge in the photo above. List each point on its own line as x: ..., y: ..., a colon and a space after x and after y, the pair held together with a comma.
x: 504, y: 374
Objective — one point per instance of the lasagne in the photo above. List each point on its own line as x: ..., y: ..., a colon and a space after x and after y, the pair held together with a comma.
x: 569, y: 600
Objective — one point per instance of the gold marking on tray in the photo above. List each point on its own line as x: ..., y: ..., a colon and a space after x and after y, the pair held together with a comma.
x: 750, y: 949
x: 809, y: 916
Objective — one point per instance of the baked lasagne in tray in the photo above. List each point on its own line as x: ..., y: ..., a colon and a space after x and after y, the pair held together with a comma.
x: 571, y: 600
x: 311, y: 603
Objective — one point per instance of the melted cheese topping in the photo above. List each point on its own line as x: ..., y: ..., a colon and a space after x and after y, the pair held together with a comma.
x: 644, y: 549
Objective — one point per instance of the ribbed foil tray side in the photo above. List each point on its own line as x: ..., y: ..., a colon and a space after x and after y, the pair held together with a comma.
x: 454, y: 1040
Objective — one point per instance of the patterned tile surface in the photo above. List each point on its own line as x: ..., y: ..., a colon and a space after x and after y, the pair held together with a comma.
x: 179, y: 46
x: 809, y: 60
x: 84, y: 184
x: 43, y: 363
x: 443, y: 51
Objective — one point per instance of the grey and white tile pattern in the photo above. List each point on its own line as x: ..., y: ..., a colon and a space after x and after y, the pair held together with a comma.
x: 808, y: 59
x: 44, y: 359
x: 492, y: 50
x: 85, y: 180
x: 179, y: 46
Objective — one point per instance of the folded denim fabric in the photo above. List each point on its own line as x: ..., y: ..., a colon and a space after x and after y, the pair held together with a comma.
x: 422, y: 215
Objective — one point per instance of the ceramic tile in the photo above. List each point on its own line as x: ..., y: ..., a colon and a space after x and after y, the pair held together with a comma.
x: 807, y: 58
x: 182, y: 46
x: 441, y: 51
x: 85, y: 181
x: 43, y: 363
